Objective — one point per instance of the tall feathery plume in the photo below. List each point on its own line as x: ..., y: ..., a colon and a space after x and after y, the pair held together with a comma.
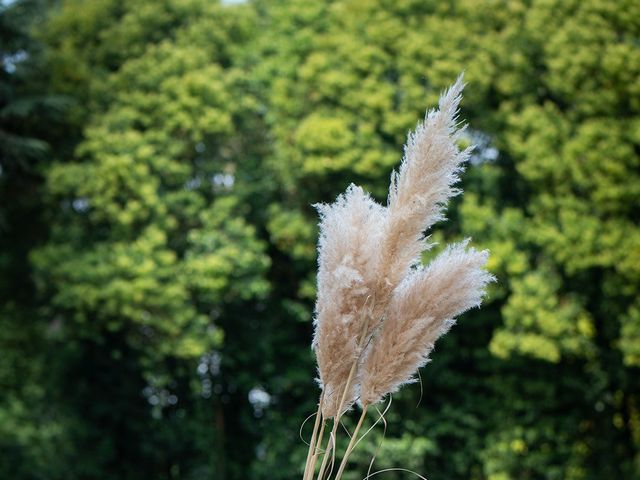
x: 422, y: 308
x: 377, y: 318
x: 419, y: 192
x: 349, y: 233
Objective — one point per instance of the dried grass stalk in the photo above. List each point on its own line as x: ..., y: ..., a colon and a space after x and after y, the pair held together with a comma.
x: 419, y: 192
x: 378, y: 311
x: 349, y: 231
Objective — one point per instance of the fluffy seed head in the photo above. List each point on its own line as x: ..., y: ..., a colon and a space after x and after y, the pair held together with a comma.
x: 376, y: 315
x: 422, y: 308
x: 349, y: 232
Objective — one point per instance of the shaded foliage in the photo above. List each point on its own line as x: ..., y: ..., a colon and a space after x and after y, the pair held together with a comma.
x: 157, y: 245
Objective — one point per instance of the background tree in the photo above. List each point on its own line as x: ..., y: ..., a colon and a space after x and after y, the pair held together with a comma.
x: 31, y: 129
x: 149, y: 252
x: 158, y: 258
x: 547, y: 200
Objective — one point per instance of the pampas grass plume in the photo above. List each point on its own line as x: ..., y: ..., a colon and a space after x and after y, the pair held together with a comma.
x: 379, y: 312
x: 422, y: 309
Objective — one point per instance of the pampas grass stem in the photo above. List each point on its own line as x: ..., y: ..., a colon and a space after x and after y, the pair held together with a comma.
x: 312, y: 443
x: 327, y: 452
x: 336, y: 420
x: 379, y: 310
x: 352, y: 443
x: 316, y: 451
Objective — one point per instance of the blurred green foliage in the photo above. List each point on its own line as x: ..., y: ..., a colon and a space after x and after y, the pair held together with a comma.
x: 158, y: 164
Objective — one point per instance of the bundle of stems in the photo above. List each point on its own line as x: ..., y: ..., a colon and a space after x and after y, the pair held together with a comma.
x: 379, y: 311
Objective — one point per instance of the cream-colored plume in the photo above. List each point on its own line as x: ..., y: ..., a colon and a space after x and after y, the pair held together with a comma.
x: 419, y: 192
x: 377, y: 318
x: 422, y: 308
x: 348, y: 248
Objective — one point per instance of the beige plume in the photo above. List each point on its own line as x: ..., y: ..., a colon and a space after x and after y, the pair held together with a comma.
x: 368, y: 294
x: 349, y: 232
x: 422, y: 308
x: 378, y: 311
x: 419, y: 192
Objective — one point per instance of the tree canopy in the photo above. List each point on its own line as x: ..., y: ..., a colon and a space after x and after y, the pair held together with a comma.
x: 158, y: 165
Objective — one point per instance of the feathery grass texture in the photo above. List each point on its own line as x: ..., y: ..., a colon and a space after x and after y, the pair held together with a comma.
x: 379, y: 311
x: 350, y: 233
x: 365, y: 281
x: 422, y: 309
